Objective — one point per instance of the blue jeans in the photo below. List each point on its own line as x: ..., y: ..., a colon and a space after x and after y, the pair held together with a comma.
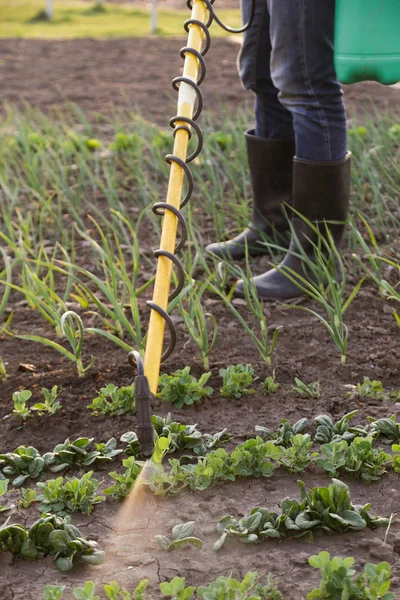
x: 287, y: 60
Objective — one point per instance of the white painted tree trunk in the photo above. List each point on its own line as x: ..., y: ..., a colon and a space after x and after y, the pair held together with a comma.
x: 153, y: 16
x: 49, y: 9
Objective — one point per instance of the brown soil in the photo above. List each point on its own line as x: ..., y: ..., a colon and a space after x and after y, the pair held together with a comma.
x: 135, y: 73
x: 95, y: 74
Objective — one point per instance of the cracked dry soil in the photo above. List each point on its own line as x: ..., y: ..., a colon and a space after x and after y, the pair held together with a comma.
x: 304, y: 350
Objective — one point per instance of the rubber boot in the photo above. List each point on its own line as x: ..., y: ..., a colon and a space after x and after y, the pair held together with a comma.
x: 270, y: 165
x: 321, y: 194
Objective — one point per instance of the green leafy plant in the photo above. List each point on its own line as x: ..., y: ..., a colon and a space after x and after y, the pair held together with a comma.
x: 180, y: 436
x: 328, y: 431
x: 21, y: 410
x: 387, y: 430
x: 28, y: 496
x: 283, y: 435
x: 50, y: 405
x: 247, y: 589
x: 269, y: 385
x: 125, y: 481
x: 396, y: 457
x: 251, y: 458
x: 50, y: 535
x: 86, y: 592
x: 326, y: 508
x: 113, y: 400
x: 24, y: 463
x: 112, y: 590
x: 3, y: 370
x: 304, y: 390
x: 298, y: 455
x: 176, y: 589
x: 53, y: 592
x: 340, y: 580
x: 360, y: 458
x: 182, y: 534
x: 236, y: 380
x: 3, y: 491
x: 180, y: 388
x: 368, y: 389
x: 75, y: 495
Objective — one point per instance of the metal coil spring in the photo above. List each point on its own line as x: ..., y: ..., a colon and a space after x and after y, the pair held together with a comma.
x: 188, y: 125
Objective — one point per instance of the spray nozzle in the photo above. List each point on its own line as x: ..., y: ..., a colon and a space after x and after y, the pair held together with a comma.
x: 145, y: 431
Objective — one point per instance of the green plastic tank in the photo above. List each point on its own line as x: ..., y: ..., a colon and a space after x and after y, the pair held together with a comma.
x: 367, y: 41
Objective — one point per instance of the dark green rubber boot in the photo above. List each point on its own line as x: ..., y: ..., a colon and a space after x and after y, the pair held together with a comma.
x: 321, y: 194
x: 271, y: 174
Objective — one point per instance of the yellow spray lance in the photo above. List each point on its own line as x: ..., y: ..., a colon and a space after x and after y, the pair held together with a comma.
x: 189, y: 107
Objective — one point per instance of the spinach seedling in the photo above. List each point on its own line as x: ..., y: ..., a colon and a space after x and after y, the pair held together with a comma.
x: 21, y: 410
x: 53, y: 592
x: 283, y: 435
x: 50, y: 405
x: 176, y: 589
x: 387, y: 430
x: 180, y: 388
x: 249, y: 588
x: 182, y: 534
x: 328, y: 431
x: 298, y: 455
x: 3, y: 491
x: 368, y: 389
x: 269, y: 385
x: 236, y: 381
x: 86, y: 592
x: 304, y: 390
x: 75, y: 495
x: 113, y: 400
x: 340, y: 580
x: 28, y: 496
x: 124, y: 482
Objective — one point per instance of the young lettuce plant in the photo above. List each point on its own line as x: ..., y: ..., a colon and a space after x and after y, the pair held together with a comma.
x: 182, y: 534
x: 304, y: 390
x: 269, y: 384
x: 125, y: 481
x: 285, y: 432
x: 298, y: 455
x: 113, y: 400
x: 21, y: 410
x: 325, y: 508
x: 75, y: 495
x: 328, y: 431
x: 181, y: 388
x: 236, y: 380
x: 340, y: 580
x: 50, y: 405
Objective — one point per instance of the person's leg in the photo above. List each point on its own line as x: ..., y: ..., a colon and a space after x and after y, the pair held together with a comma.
x: 270, y: 147
x: 272, y: 119
x: 302, y: 67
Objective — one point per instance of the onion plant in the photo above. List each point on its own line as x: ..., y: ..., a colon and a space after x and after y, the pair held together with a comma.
x: 322, y: 285
x: 264, y: 341
x: 196, y: 321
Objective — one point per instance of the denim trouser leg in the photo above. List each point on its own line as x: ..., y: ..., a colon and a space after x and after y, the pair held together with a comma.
x: 291, y: 50
x: 272, y: 119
